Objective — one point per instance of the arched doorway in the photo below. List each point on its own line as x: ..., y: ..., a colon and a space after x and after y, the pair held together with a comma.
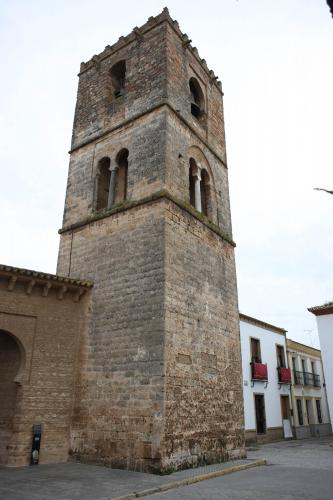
x: 10, y: 363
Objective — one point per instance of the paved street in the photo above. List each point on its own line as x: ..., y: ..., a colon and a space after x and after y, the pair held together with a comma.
x: 75, y: 481
x: 296, y: 470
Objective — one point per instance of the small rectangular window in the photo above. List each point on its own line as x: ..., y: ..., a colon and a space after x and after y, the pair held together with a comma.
x: 294, y: 364
x: 280, y: 356
x: 319, y: 415
x: 299, y: 411
x: 255, y: 351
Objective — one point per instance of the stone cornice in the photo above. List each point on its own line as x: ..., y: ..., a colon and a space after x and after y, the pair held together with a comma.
x: 128, y: 205
x: 292, y: 345
x: 262, y: 324
x: 124, y: 123
x: 138, y: 33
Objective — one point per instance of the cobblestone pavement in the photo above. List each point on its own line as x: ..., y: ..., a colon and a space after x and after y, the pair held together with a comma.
x: 299, y: 470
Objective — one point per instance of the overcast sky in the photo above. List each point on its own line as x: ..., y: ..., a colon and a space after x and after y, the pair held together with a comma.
x: 275, y: 62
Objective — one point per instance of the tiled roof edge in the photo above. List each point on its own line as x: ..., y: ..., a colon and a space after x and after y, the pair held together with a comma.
x: 44, y: 276
x: 326, y: 308
x: 263, y: 324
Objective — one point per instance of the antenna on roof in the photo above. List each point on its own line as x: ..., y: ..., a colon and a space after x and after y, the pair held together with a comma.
x: 321, y: 189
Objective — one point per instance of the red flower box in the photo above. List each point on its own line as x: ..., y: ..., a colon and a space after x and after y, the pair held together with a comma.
x: 259, y: 371
x: 285, y: 375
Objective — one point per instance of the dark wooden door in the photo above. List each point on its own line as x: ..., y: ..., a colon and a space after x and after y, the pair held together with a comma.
x: 285, y: 407
x: 260, y: 413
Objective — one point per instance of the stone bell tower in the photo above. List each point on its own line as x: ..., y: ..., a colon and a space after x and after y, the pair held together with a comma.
x: 147, y: 219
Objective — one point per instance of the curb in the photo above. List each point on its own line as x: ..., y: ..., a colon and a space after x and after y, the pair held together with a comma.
x: 191, y: 480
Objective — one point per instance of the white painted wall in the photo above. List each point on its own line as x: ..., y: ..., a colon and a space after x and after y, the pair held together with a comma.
x: 272, y: 393
x: 325, y: 331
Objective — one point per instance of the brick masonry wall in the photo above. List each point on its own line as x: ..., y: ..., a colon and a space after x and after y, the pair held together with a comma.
x: 47, y: 329
x: 97, y: 109
x: 182, y: 65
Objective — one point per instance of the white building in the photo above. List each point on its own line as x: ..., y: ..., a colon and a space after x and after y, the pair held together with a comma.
x: 266, y: 381
x: 310, y: 409
x: 324, y: 317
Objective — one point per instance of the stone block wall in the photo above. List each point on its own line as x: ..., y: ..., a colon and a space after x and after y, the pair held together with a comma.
x: 118, y: 416
x: 203, y: 400
x: 159, y: 381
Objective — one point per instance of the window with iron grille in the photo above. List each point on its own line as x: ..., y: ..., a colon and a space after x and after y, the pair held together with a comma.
x: 318, y: 406
x: 299, y: 411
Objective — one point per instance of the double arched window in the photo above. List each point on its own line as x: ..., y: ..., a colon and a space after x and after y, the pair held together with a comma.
x: 199, y: 188
x: 112, y: 180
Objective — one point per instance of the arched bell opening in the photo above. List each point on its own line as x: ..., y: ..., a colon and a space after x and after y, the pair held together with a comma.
x: 197, y: 99
x: 193, y: 170
x: 121, y: 180
x: 118, y: 77
x: 205, y: 192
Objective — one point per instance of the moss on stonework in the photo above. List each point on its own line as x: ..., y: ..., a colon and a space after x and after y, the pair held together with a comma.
x: 128, y: 204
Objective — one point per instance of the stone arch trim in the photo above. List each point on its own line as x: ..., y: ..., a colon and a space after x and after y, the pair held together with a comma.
x: 22, y: 351
x: 202, y: 163
x: 23, y: 329
x: 197, y: 154
x: 12, y: 358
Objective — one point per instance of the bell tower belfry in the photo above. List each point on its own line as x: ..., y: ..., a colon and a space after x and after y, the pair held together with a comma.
x: 147, y: 219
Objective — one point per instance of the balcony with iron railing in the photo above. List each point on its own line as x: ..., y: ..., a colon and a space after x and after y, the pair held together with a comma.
x: 284, y: 375
x: 316, y: 379
x: 298, y: 377
x: 306, y: 378
x: 259, y: 371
